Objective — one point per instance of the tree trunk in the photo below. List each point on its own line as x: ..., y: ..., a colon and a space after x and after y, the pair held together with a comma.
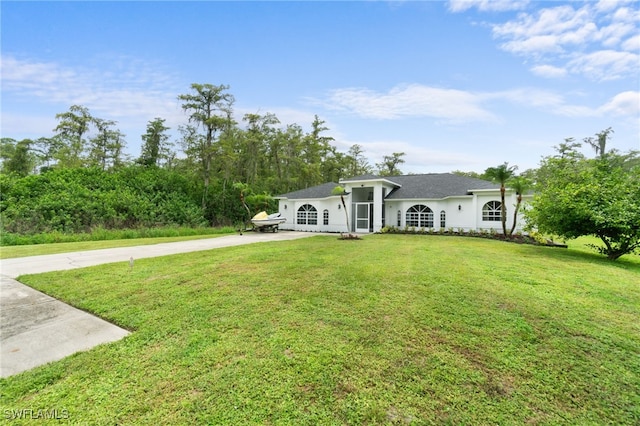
x: 346, y: 214
x: 503, y: 211
x: 515, y: 214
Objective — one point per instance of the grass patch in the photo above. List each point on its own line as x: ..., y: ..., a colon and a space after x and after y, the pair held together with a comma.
x: 395, y: 329
x: 102, y: 234
x: 7, y: 252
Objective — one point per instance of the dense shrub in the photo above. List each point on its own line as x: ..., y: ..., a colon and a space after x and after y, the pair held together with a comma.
x: 79, y: 200
x: 531, y: 238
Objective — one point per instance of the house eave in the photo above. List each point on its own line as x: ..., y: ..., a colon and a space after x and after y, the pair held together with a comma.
x: 371, y: 180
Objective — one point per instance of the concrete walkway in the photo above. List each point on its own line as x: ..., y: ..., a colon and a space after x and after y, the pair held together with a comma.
x: 36, y: 329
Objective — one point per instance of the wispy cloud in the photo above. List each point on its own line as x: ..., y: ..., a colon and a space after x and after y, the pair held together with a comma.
x: 605, y: 64
x: 122, y: 89
x: 412, y: 100
x: 487, y: 5
x: 596, y: 40
x: 457, y: 106
x: 624, y: 104
x: 549, y: 71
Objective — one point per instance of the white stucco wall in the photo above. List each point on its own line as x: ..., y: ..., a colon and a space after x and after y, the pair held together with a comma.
x: 462, y: 212
x: 337, y: 221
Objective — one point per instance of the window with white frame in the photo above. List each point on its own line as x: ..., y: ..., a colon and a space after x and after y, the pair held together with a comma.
x: 420, y: 216
x: 491, y: 211
x: 443, y: 219
x: 307, y: 215
x: 325, y: 217
x: 399, y: 218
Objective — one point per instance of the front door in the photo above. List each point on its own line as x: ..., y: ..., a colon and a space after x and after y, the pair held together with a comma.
x: 362, y: 217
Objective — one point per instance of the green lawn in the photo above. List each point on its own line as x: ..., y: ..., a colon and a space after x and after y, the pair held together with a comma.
x: 8, y: 252
x: 390, y: 329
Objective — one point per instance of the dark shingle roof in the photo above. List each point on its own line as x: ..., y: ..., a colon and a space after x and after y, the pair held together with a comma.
x: 320, y: 191
x: 425, y: 186
x: 436, y: 185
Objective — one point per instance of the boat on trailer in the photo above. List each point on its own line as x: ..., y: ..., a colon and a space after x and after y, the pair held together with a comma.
x: 264, y: 222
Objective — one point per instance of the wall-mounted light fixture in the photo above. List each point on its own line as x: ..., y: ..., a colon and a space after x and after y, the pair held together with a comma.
x: 459, y: 207
x: 285, y: 206
x: 339, y: 206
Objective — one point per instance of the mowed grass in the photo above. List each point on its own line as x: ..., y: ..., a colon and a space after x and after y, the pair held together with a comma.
x: 391, y: 329
x: 9, y: 252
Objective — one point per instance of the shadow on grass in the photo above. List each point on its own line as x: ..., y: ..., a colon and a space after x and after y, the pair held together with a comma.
x: 627, y: 262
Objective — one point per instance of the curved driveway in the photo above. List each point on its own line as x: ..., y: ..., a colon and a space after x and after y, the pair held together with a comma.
x: 36, y: 329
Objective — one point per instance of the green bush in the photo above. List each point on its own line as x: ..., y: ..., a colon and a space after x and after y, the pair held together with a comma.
x: 83, y: 199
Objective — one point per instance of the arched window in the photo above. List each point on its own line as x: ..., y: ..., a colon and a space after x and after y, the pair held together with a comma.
x: 399, y: 218
x: 443, y: 219
x: 325, y: 217
x: 420, y: 216
x: 307, y: 215
x: 491, y: 211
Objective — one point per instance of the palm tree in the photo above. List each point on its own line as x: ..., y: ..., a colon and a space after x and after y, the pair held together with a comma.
x: 519, y: 184
x: 501, y: 174
x: 338, y: 190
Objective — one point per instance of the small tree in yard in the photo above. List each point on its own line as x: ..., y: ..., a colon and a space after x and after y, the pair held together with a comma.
x: 501, y: 174
x: 338, y: 190
x: 519, y: 184
x: 577, y: 196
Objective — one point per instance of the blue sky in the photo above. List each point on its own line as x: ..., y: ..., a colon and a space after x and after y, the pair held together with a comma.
x: 455, y: 85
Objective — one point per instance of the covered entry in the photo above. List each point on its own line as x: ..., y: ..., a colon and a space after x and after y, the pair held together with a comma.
x: 364, y: 217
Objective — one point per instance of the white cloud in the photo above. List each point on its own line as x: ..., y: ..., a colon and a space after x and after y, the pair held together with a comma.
x: 457, y: 106
x: 551, y: 21
x: 534, y: 45
x: 605, y: 64
x: 487, y: 5
x: 609, y: 5
x: 412, y: 100
x: 124, y: 89
x: 623, y: 104
x: 632, y: 43
x: 598, y: 41
x: 549, y: 71
x: 542, y: 100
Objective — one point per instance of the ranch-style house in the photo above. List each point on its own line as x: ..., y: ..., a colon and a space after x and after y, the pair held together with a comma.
x: 425, y: 201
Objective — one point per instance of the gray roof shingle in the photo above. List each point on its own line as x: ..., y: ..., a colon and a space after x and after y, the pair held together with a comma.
x: 424, y: 186
x: 436, y: 185
x: 320, y: 191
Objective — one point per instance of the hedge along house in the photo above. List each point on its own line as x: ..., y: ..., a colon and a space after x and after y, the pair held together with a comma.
x: 427, y: 201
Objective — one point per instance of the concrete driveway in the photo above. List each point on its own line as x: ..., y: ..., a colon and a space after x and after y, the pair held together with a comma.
x: 36, y: 329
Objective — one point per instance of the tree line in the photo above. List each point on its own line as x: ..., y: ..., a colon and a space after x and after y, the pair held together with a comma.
x: 259, y: 151
x: 220, y: 171
x: 214, y: 161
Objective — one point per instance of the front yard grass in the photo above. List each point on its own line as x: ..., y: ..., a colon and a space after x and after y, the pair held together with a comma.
x: 9, y: 252
x: 390, y: 329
